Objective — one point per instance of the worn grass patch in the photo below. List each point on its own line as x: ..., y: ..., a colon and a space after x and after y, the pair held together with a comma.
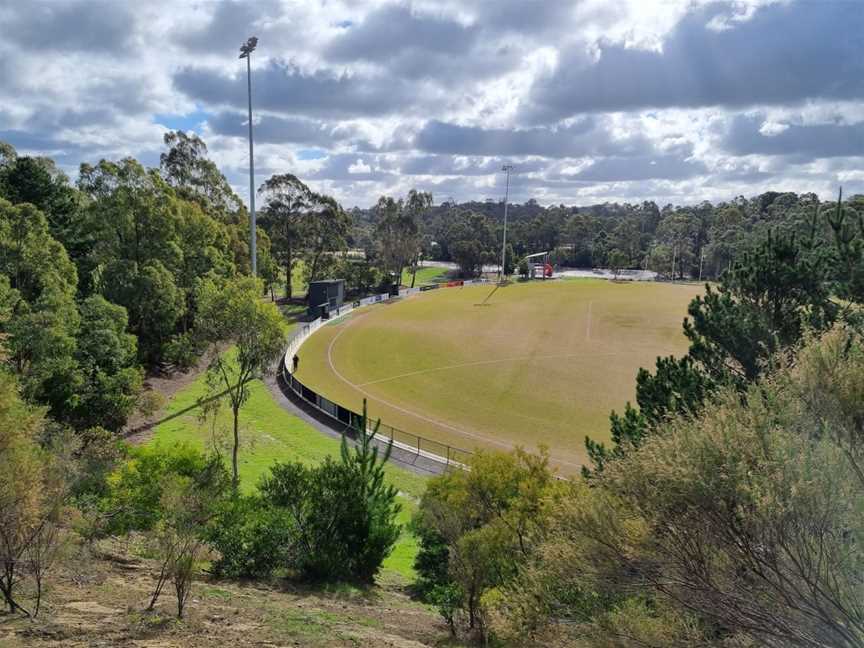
x: 541, y: 363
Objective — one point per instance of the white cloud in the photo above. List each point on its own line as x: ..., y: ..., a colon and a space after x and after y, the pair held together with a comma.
x: 359, y: 167
x: 770, y: 128
x: 467, y: 73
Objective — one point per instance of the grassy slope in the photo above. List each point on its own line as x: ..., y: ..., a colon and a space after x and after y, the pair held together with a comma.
x: 549, y: 360
x: 269, y: 434
x: 425, y: 275
x: 298, y: 284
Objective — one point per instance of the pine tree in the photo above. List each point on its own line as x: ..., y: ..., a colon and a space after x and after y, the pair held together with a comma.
x: 381, y: 507
x: 677, y: 387
x: 763, y: 306
x: 848, y: 228
x: 365, y: 455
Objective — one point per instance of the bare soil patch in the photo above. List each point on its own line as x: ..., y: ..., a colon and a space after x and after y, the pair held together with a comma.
x: 94, y: 601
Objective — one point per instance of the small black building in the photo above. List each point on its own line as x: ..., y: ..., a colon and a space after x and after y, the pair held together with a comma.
x: 325, y: 297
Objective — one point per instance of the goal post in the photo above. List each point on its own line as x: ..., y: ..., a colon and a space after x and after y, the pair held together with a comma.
x: 539, y: 265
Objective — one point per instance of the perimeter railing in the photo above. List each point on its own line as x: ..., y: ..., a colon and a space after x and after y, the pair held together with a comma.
x: 346, y: 419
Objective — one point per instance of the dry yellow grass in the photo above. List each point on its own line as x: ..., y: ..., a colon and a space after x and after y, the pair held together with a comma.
x: 543, y: 363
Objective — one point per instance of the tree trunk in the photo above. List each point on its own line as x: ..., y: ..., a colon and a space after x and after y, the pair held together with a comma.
x: 38, y: 596
x: 414, y: 274
x: 235, y: 473
x: 313, y: 271
x: 160, y: 583
x: 7, y: 582
x: 288, y: 272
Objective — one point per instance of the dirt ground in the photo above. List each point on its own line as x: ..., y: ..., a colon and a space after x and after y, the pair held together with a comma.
x: 98, y: 598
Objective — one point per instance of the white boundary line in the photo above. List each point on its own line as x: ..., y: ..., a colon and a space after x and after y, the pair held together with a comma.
x: 442, y: 424
x: 298, y: 340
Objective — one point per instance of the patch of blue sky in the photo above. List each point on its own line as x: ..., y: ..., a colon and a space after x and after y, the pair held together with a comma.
x: 189, y: 121
x: 311, y: 154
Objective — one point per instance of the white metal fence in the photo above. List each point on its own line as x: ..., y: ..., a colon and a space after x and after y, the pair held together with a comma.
x: 433, y: 450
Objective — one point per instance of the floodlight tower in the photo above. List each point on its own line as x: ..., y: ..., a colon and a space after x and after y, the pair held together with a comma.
x: 246, y: 52
x: 507, y: 168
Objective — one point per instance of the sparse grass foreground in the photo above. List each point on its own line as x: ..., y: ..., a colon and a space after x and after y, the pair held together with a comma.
x: 542, y: 363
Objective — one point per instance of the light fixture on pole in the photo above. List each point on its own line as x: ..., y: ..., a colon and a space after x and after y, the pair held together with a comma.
x: 246, y: 52
x: 507, y: 168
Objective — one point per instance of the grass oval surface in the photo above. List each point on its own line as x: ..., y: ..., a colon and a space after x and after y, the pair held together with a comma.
x: 541, y: 363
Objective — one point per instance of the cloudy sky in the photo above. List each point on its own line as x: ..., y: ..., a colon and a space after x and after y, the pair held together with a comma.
x: 591, y: 100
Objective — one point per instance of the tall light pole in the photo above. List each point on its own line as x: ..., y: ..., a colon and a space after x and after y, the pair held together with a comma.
x: 246, y: 52
x: 507, y: 168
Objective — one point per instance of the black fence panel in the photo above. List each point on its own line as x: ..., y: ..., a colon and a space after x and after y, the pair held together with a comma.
x: 428, y: 448
x: 344, y: 415
x: 308, y: 394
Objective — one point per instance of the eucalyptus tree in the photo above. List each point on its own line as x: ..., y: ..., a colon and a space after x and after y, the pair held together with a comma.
x: 397, y: 229
x: 416, y: 205
x: 233, y: 312
x: 301, y: 224
x: 194, y: 177
x: 325, y: 231
x: 287, y: 201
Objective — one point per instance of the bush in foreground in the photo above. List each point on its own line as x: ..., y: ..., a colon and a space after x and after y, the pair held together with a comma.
x: 740, y: 527
x: 478, y: 529
x: 334, y: 521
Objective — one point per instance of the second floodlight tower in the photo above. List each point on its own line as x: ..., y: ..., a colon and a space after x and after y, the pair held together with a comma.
x: 246, y: 52
x: 507, y: 168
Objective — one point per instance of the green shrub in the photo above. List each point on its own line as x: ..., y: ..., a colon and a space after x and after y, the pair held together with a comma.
x: 252, y: 538
x: 334, y: 521
x: 183, y: 350
x: 340, y: 533
x: 449, y: 599
x: 432, y: 560
x: 135, y: 490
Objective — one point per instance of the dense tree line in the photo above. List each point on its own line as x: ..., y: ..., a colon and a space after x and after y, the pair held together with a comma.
x: 685, y: 242
x: 102, y: 279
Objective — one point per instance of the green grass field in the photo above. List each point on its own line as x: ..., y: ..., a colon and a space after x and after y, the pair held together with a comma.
x: 542, y: 363
x: 269, y: 434
x: 425, y: 275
